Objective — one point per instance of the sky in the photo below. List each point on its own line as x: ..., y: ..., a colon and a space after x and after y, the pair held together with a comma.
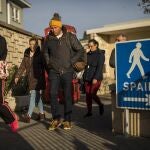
x: 82, y: 14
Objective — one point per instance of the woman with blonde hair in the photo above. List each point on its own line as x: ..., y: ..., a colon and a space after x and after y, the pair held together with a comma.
x: 34, y: 65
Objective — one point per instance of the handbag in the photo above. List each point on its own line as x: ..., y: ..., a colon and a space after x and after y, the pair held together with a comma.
x: 82, y: 62
x: 21, y: 88
x: 79, y: 66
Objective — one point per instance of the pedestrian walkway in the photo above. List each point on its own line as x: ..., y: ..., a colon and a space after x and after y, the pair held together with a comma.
x: 93, y: 133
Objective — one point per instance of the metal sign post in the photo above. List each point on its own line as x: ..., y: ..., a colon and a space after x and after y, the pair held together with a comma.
x: 126, y: 112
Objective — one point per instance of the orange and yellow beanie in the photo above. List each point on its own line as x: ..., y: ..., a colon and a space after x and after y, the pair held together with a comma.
x: 55, y: 21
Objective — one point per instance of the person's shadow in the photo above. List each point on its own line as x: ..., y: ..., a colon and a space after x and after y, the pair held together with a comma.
x: 10, y: 140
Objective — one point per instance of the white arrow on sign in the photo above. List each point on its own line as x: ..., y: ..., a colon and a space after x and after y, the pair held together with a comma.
x: 138, y: 99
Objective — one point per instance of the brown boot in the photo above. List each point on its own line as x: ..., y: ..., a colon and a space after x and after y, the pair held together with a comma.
x: 41, y: 117
x: 27, y: 118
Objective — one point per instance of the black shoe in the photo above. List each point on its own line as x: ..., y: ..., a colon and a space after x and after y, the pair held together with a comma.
x: 101, y: 109
x: 88, y: 115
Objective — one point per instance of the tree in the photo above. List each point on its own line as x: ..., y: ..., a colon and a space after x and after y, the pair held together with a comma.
x: 145, y: 4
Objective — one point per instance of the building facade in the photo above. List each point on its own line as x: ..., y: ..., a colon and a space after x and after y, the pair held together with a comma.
x: 11, y: 11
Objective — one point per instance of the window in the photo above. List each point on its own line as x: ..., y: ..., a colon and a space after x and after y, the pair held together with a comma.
x: 0, y: 6
x: 15, y: 14
x: 18, y: 15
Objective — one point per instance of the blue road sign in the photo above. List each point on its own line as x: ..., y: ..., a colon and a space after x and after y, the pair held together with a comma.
x: 133, y: 74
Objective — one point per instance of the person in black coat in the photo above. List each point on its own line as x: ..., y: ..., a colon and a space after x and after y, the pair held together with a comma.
x: 35, y: 66
x: 120, y: 38
x: 93, y: 76
x: 58, y: 51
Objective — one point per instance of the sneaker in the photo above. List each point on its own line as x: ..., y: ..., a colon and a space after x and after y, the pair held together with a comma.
x: 14, y: 125
x: 41, y: 117
x: 88, y: 115
x: 54, y: 125
x: 66, y: 125
x: 101, y: 109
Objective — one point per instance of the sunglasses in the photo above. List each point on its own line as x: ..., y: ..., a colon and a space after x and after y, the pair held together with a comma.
x: 90, y: 46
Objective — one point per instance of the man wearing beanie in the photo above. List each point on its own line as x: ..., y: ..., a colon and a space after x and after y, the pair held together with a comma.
x: 60, y: 61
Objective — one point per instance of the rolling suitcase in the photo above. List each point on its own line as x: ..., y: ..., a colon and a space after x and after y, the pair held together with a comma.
x: 75, y: 92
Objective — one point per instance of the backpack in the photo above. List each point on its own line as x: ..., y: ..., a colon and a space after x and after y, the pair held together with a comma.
x: 82, y: 62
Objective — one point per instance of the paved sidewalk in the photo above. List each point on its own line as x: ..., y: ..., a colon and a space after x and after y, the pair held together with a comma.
x: 93, y: 133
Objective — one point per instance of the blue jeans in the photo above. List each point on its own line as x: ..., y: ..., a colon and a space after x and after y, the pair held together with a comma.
x: 35, y: 97
x: 65, y: 81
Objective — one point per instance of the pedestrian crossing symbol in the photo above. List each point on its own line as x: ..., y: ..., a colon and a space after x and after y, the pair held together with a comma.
x: 136, y: 54
x: 133, y: 74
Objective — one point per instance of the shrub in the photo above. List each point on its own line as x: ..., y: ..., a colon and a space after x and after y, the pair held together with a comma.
x: 19, y: 89
x: 10, y: 79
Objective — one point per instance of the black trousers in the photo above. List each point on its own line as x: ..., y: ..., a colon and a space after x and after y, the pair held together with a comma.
x: 5, y: 112
x: 64, y: 80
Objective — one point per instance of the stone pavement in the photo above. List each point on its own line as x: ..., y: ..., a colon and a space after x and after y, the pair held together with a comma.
x: 93, y: 133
